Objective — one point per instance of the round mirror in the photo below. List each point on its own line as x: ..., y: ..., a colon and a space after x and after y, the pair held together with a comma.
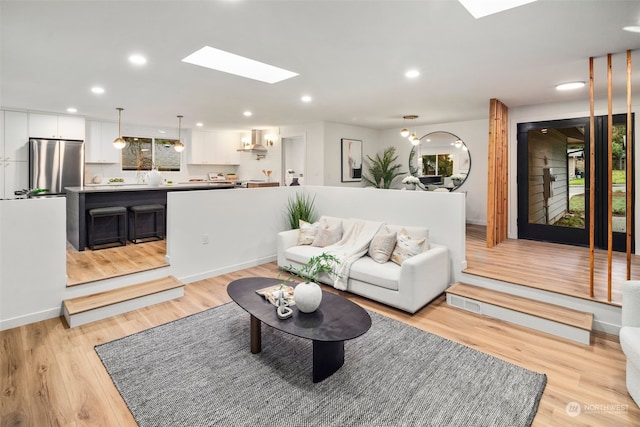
x: 440, y: 160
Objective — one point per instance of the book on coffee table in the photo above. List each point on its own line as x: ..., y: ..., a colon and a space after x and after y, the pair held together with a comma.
x: 268, y: 294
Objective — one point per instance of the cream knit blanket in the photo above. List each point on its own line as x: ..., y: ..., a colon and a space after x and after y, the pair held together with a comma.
x: 354, y: 244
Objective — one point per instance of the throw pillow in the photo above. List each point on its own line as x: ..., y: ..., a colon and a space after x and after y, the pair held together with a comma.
x: 307, y: 232
x: 382, y: 245
x: 328, y: 234
x: 406, y: 247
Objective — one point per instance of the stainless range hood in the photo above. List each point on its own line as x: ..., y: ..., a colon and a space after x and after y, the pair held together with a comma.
x: 256, y: 146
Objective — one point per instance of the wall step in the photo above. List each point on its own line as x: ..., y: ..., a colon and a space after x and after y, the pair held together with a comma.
x: 553, y: 319
x: 90, y: 308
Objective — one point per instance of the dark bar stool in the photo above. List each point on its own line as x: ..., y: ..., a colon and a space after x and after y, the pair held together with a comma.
x: 139, y: 230
x: 119, y: 213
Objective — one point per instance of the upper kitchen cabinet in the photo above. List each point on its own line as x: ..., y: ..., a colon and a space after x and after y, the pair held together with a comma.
x: 57, y: 127
x: 16, y: 137
x: 99, y: 145
x: 214, y: 148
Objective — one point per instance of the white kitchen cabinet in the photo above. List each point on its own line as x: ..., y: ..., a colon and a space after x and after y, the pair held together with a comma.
x: 99, y: 144
x: 15, y: 176
x: 58, y: 127
x: 16, y: 137
x: 214, y: 148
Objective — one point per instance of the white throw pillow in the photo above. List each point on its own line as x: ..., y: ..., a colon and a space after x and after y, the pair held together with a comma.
x: 382, y: 245
x: 328, y: 234
x: 406, y: 247
x: 307, y: 232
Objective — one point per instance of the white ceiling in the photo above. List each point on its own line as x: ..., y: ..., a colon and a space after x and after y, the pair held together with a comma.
x: 351, y: 57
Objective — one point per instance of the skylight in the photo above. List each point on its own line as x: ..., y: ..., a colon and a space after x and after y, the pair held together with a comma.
x: 226, y: 62
x: 481, y: 8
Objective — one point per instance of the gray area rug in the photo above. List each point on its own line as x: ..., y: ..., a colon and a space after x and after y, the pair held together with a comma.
x: 198, y: 371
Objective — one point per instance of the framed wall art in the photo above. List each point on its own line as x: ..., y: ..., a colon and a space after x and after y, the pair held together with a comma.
x: 351, y: 160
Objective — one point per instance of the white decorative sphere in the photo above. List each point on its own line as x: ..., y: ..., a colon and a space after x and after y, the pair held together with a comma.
x: 307, y: 296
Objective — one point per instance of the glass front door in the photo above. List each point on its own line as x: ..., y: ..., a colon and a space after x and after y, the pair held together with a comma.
x: 553, y: 177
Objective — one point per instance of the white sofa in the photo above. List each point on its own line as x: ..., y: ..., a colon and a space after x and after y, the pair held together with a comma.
x: 630, y: 335
x: 409, y: 286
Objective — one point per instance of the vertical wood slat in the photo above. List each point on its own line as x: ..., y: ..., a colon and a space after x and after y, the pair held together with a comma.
x: 592, y: 171
x: 610, y: 178
x: 498, y: 175
x: 629, y: 166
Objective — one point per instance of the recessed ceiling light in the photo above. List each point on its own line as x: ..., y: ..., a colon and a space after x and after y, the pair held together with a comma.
x: 306, y: 98
x: 72, y: 110
x: 162, y: 131
x: 570, y: 85
x: 632, y: 28
x: 480, y: 8
x: 137, y: 59
x: 248, y: 113
x: 199, y: 124
x: 97, y: 90
x: 412, y: 74
x: 226, y: 62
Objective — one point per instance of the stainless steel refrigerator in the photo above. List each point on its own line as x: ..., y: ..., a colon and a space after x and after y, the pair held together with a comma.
x: 55, y: 164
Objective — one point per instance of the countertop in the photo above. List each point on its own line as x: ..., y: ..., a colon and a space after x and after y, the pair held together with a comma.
x: 110, y: 188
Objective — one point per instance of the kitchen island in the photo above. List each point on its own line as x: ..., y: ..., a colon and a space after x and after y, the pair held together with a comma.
x: 81, y: 199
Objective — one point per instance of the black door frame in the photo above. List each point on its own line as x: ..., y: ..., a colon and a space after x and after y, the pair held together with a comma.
x: 568, y: 235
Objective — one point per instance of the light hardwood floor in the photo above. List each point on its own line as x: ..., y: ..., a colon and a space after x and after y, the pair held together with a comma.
x: 558, y: 268
x: 90, y: 266
x: 51, y: 375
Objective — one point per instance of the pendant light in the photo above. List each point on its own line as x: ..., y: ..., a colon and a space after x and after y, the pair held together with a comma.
x: 405, y: 132
x: 119, y: 143
x: 179, y: 146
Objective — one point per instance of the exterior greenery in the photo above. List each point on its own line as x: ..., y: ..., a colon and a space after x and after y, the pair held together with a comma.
x: 382, y: 170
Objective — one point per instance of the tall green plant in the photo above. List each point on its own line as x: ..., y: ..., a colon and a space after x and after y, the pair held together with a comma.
x: 301, y: 208
x: 383, y: 170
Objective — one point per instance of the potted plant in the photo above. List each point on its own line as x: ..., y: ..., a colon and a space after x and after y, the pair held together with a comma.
x: 410, y: 182
x: 382, y: 170
x: 308, y: 295
x: 301, y: 208
x: 457, y: 179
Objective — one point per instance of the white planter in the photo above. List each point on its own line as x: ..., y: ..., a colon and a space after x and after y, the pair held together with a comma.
x: 307, y: 296
x: 155, y: 179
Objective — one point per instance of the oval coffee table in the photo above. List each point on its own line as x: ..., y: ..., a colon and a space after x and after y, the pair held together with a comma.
x: 335, y: 321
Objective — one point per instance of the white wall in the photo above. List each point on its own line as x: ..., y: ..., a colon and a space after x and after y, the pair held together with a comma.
x: 241, y: 224
x: 32, y: 260
x: 475, y: 134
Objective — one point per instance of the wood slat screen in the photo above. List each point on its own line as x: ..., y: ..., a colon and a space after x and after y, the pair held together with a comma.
x: 498, y: 165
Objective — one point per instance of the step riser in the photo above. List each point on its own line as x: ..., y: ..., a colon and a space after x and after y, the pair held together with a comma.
x: 554, y: 328
x: 122, y: 307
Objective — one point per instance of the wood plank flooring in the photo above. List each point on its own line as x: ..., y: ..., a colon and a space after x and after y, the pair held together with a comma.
x: 90, y: 266
x: 51, y: 374
x: 558, y: 268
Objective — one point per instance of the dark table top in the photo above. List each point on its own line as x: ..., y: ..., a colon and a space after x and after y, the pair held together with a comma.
x: 337, y: 318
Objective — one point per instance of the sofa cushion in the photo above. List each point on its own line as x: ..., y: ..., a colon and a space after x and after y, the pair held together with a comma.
x: 302, y: 254
x: 382, y: 245
x: 407, y: 246
x: 307, y: 232
x: 385, y: 275
x: 328, y: 233
x: 413, y: 232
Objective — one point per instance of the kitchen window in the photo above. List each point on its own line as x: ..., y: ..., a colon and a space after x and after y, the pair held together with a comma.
x: 143, y: 154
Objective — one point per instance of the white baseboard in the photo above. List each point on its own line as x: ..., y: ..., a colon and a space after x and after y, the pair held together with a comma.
x: 227, y: 269
x: 14, y: 322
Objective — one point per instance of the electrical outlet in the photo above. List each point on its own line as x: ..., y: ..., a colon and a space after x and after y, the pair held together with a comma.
x: 205, y: 239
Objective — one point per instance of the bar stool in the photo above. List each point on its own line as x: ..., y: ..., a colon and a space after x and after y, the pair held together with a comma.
x: 119, y: 213
x: 138, y: 231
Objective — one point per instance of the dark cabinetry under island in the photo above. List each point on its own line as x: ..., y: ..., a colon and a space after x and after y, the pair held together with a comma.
x: 82, y: 199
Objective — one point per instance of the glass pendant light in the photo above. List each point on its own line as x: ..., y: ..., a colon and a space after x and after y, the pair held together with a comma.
x: 119, y: 143
x: 179, y: 146
x: 405, y: 132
